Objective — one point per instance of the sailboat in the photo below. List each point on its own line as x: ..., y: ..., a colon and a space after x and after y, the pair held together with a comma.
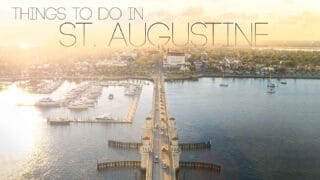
x: 223, y: 84
x: 270, y: 84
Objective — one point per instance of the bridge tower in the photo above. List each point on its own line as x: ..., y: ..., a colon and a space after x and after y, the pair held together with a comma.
x: 149, y: 127
x: 175, y: 152
x: 172, y: 127
x: 145, y: 150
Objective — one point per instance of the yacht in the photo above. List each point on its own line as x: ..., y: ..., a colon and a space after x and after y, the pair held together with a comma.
x: 47, y: 102
x: 78, y: 106
x: 105, y: 117
x: 58, y: 121
x: 132, y: 90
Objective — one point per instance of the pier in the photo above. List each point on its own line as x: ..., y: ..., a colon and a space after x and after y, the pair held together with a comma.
x: 124, y: 145
x: 118, y: 164
x: 200, y: 165
x: 195, y: 146
x: 67, y: 121
x: 134, y: 105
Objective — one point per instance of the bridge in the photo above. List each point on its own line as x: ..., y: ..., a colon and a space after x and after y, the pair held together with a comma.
x: 159, y: 147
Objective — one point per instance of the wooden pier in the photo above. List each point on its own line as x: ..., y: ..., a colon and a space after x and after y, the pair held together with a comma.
x: 124, y: 145
x: 195, y: 146
x: 118, y: 164
x: 200, y: 165
x: 134, y: 105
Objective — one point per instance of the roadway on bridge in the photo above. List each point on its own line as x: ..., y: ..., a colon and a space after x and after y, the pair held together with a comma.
x: 162, y: 168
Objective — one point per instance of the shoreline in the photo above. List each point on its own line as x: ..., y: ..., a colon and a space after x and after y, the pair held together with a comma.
x: 167, y: 78
x: 196, y: 77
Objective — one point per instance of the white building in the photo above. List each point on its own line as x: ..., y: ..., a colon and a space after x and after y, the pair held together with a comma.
x: 175, y: 58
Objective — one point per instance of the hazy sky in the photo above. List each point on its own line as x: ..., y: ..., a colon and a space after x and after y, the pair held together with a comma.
x: 288, y: 19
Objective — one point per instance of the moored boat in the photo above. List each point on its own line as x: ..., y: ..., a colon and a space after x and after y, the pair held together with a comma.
x: 105, y: 117
x: 78, y: 106
x: 47, y: 102
x: 58, y: 121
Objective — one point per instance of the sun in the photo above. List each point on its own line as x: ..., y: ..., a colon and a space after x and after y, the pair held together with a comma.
x: 25, y: 45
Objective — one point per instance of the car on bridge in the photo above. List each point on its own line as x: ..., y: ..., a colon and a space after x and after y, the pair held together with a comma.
x: 164, y: 165
x: 156, y: 159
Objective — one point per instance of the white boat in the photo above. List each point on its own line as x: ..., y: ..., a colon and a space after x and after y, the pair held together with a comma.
x: 271, y: 91
x: 78, y: 106
x: 47, y: 102
x: 271, y: 85
x: 87, y: 100
x: 131, y: 90
x: 104, y: 117
x: 58, y: 121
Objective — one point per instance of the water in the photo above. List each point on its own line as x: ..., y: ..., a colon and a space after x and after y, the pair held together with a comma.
x: 32, y: 149
x: 255, y: 135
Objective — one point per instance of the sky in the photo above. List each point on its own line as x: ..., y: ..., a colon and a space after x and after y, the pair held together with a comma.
x: 288, y: 20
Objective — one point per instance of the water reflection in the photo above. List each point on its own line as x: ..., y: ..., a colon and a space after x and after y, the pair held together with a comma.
x: 31, y: 148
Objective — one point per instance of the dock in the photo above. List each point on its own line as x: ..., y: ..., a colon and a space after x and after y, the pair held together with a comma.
x: 118, y: 164
x: 124, y: 145
x: 200, y: 165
